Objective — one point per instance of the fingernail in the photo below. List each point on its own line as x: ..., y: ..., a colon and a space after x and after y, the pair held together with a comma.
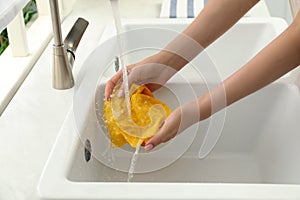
x: 148, y: 147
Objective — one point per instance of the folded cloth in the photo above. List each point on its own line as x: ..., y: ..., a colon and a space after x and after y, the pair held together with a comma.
x: 191, y: 8
x: 181, y: 8
x: 147, y: 115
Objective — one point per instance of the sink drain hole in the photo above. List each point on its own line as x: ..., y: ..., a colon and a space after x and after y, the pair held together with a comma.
x: 87, y: 150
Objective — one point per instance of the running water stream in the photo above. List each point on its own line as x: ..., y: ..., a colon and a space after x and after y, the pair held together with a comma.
x: 133, y: 161
x: 116, y: 13
x: 115, y: 8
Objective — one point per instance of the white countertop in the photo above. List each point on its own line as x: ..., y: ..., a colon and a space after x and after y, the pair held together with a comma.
x: 32, y: 120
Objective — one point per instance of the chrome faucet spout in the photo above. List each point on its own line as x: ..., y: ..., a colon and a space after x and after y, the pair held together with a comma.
x: 64, y: 51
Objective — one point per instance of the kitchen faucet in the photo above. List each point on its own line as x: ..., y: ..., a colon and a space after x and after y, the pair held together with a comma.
x: 64, y: 51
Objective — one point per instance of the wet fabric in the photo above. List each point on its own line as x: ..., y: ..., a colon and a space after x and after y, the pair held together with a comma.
x: 147, y: 115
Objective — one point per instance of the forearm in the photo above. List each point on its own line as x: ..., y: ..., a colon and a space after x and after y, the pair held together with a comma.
x: 215, y: 19
x: 279, y: 57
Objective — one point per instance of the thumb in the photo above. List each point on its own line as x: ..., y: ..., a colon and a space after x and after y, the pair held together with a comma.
x: 169, y: 129
x: 165, y: 133
x: 121, y: 90
x: 155, y: 140
x: 131, y: 78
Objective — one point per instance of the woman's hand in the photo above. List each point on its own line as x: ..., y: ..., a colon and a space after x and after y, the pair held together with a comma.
x: 168, y: 130
x: 179, y: 120
x: 150, y: 72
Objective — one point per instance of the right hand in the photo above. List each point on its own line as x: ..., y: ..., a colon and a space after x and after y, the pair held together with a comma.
x: 180, y: 119
x: 148, y: 72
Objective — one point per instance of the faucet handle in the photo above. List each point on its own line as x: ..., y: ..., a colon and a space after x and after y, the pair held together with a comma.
x: 73, y: 38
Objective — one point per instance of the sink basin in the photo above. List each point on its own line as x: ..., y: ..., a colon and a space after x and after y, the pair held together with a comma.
x: 230, y: 52
x: 256, y: 154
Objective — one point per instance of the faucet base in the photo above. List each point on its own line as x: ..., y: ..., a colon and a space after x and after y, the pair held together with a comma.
x: 62, y: 73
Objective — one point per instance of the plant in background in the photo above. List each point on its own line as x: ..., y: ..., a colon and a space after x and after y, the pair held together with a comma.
x: 3, y: 41
x: 28, y: 12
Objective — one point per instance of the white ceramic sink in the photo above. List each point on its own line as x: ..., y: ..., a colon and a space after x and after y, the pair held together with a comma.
x: 228, y: 53
x: 257, y: 154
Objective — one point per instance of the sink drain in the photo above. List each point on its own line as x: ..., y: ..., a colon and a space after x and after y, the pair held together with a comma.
x: 87, y: 150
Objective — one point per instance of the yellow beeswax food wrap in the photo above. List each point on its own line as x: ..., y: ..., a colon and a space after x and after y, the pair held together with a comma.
x: 147, y: 115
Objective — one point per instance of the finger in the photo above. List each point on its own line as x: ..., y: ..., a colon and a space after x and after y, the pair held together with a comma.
x: 153, y: 87
x: 111, y: 84
x: 161, y: 136
x: 121, y: 91
x: 153, y: 142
